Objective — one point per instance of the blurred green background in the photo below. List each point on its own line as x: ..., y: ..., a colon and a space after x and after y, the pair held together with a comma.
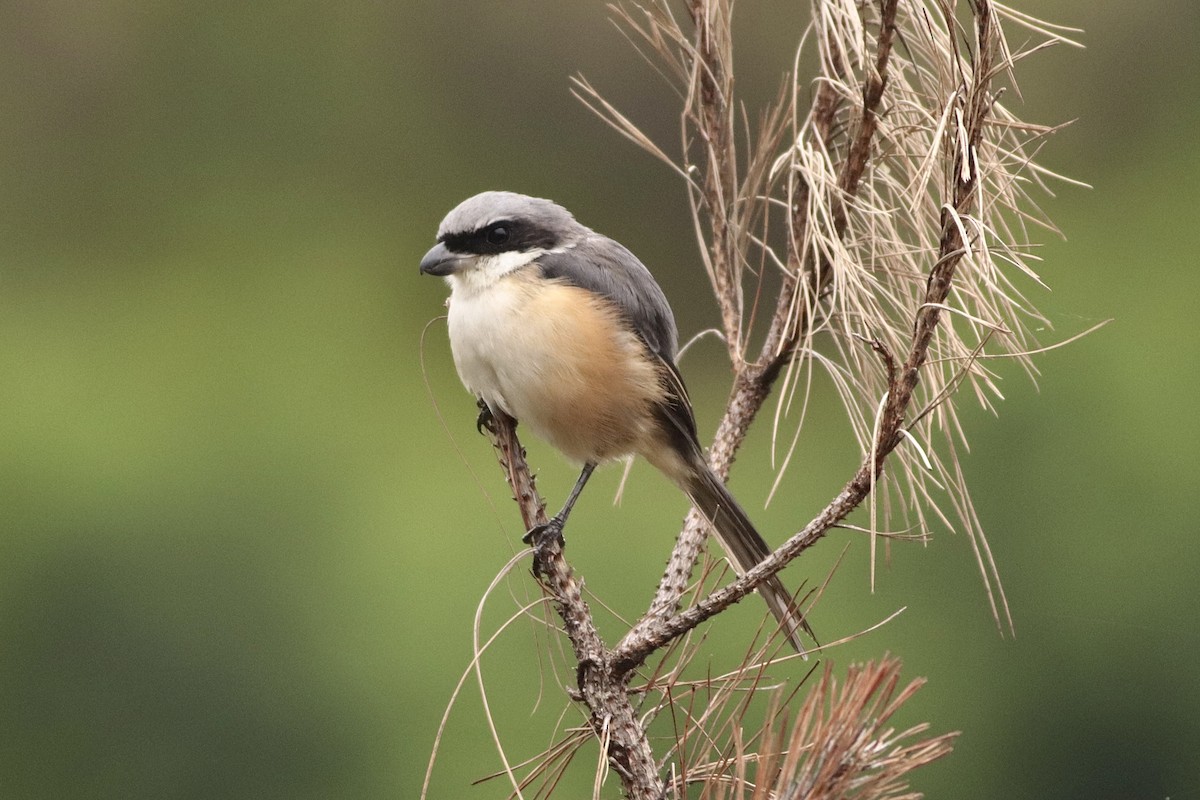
x: 239, y: 553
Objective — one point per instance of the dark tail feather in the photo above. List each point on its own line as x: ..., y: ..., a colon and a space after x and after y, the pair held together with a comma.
x: 745, y: 548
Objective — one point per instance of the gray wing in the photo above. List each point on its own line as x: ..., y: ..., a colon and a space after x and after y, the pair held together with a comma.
x: 606, y: 267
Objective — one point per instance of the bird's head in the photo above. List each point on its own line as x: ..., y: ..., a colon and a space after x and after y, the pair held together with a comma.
x: 494, y: 233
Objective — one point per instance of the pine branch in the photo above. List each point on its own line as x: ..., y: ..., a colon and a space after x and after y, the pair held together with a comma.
x: 602, y: 689
x: 901, y: 189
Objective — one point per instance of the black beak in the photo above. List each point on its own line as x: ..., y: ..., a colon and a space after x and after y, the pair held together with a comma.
x: 440, y: 261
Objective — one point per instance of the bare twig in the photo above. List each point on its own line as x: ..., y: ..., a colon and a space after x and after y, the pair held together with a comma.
x: 602, y: 689
x: 650, y: 634
x: 793, y: 317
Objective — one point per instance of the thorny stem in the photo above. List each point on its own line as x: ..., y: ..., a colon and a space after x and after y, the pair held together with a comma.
x: 603, y: 689
x: 644, y: 638
x: 791, y: 321
x: 714, y: 123
x: 951, y: 247
x: 639, y: 643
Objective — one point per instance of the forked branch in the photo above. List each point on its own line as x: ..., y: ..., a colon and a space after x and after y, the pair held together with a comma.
x: 893, y: 185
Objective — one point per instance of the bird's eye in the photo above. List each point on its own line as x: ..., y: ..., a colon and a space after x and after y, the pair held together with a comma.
x: 497, y: 234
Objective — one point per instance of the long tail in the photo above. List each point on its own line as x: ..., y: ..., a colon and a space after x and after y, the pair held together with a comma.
x: 744, y: 546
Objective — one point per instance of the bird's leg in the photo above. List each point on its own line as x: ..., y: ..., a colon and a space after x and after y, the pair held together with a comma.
x: 554, y: 528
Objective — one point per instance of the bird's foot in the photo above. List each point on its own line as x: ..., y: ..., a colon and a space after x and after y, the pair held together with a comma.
x: 486, y: 418
x: 541, y: 535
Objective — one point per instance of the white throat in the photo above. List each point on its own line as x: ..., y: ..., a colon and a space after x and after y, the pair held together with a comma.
x: 487, y: 270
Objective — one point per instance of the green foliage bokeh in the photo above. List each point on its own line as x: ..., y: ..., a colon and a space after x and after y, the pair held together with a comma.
x: 240, y: 555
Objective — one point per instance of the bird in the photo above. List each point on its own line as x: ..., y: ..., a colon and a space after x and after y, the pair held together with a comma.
x: 564, y: 330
